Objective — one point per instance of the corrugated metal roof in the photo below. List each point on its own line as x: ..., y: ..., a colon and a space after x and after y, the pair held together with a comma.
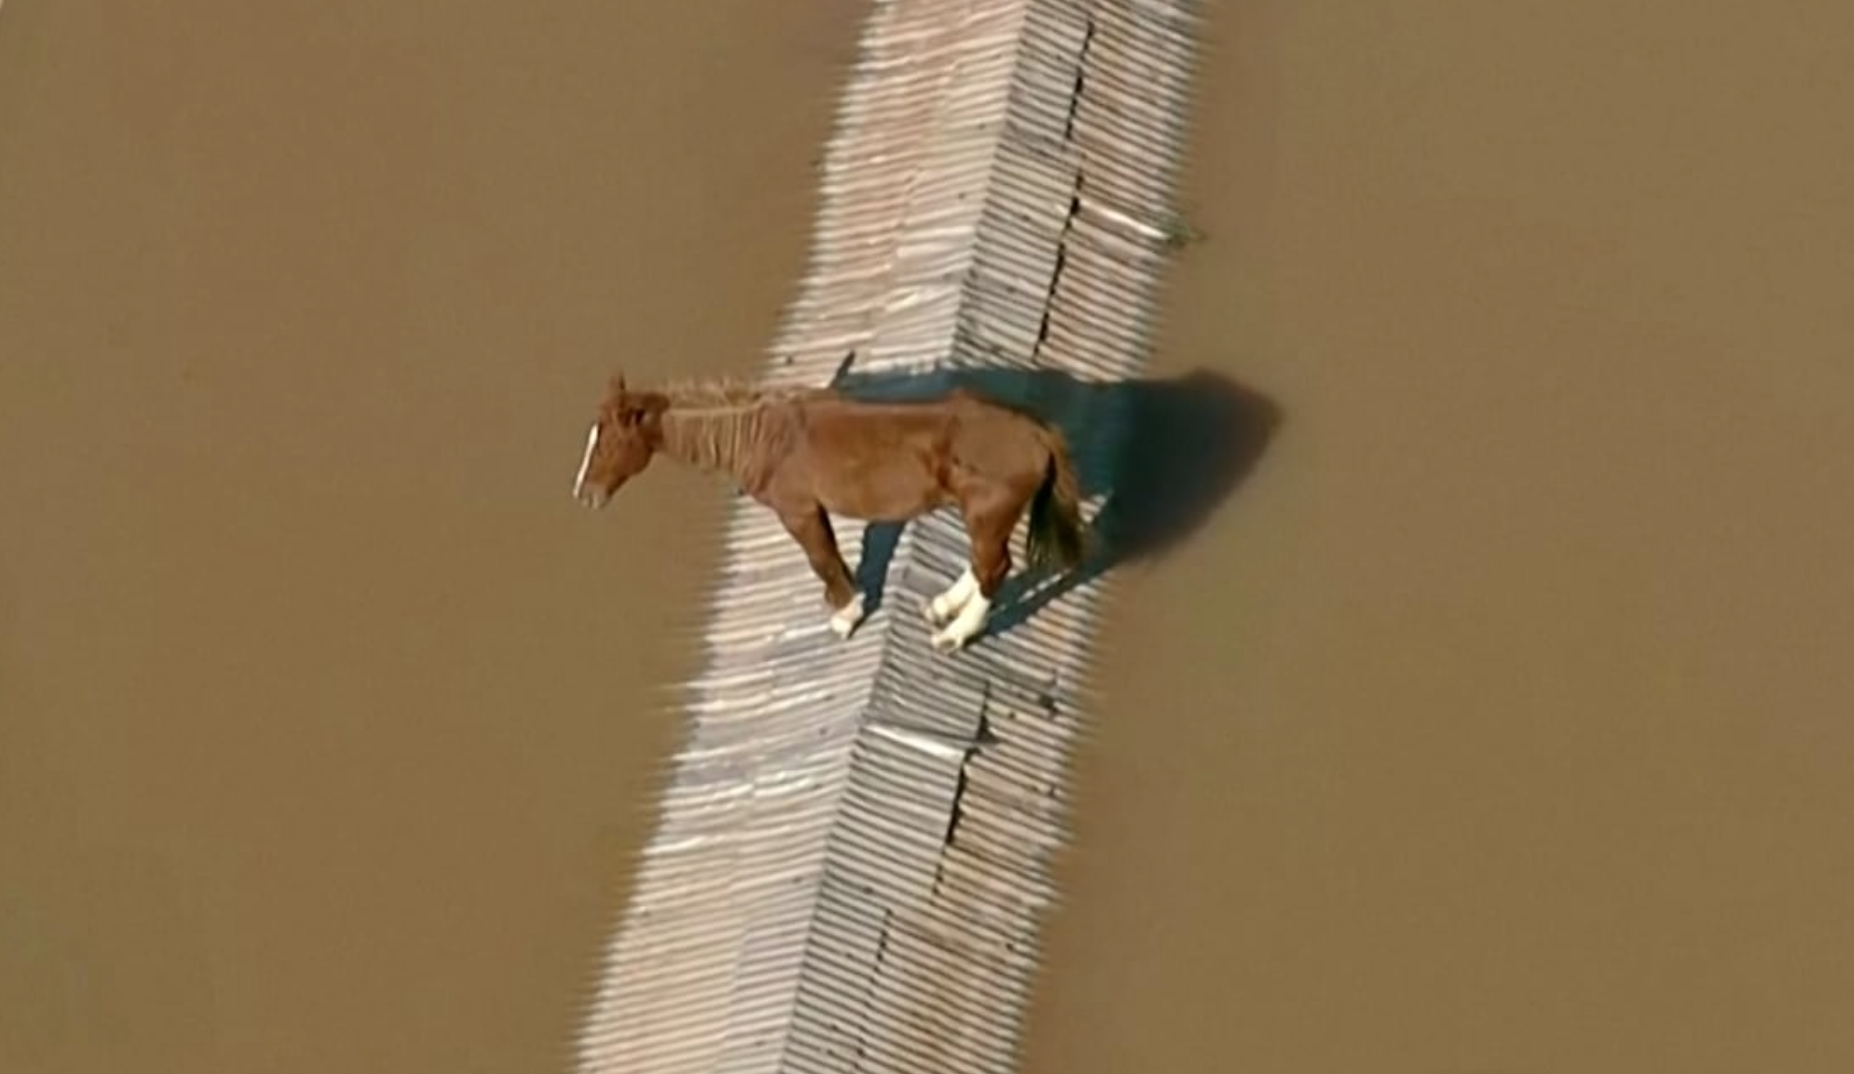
x: 852, y: 851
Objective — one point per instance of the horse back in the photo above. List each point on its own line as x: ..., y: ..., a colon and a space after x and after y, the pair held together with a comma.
x: 963, y: 429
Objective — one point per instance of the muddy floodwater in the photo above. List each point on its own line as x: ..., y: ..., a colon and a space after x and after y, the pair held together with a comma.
x: 328, y: 721
x: 1501, y: 722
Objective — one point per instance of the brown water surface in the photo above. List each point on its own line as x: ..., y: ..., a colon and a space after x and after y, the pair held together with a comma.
x: 1504, y: 720
x: 325, y: 715
x: 1500, y: 723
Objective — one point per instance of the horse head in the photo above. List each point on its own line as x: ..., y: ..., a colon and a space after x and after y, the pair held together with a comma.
x: 623, y: 436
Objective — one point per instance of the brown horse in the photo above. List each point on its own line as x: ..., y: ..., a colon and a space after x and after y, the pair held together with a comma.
x: 808, y: 454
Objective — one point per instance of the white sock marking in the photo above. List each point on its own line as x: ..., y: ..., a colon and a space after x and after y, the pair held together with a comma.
x: 949, y: 603
x: 971, y: 620
x: 585, y: 462
x: 844, y: 619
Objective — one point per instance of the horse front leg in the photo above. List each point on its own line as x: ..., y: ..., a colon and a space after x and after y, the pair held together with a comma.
x: 811, y: 528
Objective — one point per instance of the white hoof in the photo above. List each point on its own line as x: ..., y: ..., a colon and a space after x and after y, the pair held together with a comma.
x: 944, y: 607
x: 969, y: 623
x: 844, y: 620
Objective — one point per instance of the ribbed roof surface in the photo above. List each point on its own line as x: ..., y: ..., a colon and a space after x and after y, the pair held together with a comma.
x: 851, y: 857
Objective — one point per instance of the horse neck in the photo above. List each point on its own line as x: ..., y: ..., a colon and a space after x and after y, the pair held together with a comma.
x: 720, y: 438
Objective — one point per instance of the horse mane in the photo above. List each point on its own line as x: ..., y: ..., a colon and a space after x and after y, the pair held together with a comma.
x: 725, y: 423
x: 726, y: 393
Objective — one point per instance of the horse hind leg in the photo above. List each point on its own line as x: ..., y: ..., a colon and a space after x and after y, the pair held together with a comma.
x: 990, y: 534
x: 942, y: 608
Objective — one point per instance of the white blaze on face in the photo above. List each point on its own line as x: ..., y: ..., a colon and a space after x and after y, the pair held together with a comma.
x: 585, y: 463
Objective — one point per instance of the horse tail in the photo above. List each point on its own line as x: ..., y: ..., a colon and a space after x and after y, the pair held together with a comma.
x: 1055, y: 537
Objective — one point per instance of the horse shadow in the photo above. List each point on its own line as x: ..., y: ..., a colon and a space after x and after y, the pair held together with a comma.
x: 1163, y: 454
